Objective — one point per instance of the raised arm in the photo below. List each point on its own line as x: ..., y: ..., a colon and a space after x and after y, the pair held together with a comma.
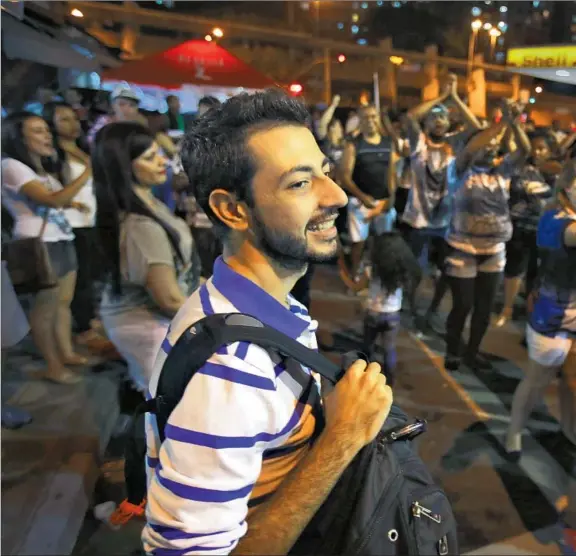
x: 523, y: 146
x: 419, y: 112
x: 326, y: 118
x: 389, y: 129
x: 568, y: 141
x: 464, y: 110
x: 477, y: 143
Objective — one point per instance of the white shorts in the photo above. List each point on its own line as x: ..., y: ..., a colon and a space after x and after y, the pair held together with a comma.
x: 465, y: 265
x: 359, y: 227
x: 550, y: 352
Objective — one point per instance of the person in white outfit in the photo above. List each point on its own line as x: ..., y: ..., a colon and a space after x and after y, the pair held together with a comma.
x: 33, y: 195
x: 73, y: 162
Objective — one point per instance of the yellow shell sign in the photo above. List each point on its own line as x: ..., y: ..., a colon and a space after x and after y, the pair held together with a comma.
x: 542, y: 57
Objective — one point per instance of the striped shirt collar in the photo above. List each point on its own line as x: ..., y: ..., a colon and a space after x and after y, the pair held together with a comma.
x: 251, y: 299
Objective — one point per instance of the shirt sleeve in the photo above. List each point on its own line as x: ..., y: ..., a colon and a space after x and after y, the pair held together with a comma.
x: 15, y: 174
x: 211, y: 457
x: 508, y: 167
x: 146, y: 244
x: 552, y: 228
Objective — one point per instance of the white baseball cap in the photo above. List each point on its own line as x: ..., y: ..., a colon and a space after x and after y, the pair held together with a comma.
x: 125, y: 92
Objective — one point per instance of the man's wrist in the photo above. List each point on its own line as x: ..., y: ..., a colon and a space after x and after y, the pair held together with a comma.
x: 346, y: 448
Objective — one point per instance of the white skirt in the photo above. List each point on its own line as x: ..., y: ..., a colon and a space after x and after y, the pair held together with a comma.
x: 137, y: 335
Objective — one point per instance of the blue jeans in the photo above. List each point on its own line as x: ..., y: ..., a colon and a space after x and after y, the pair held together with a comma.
x: 385, y: 325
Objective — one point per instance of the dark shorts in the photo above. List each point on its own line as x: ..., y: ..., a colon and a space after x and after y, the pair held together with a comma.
x: 63, y: 257
x: 428, y: 245
x: 521, y: 254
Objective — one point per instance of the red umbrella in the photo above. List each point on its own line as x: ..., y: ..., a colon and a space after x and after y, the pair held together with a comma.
x: 195, y: 62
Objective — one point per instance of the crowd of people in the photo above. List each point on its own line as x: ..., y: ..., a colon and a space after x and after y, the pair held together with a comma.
x: 150, y: 230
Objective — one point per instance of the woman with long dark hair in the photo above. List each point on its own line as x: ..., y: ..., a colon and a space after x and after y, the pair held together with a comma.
x: 72, y: 162
x: 148, y: 253
x: 32, y: 195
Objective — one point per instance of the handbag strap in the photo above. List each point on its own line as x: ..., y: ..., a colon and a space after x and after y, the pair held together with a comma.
x: 44, y: 222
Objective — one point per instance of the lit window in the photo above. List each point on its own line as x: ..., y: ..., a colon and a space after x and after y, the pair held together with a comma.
x: 362, y: 42
x: 355, y: 29
x: 364, y: 5
x: 500, y: 41
x: 546, y: 14
x: 503, y: 26
x: 305, y: 5
x: 574, y: 19
x: 355, y: 18
x: 573, y: 38
x: 536, y: 3
x: 503, y: 9
x: 340, y: 26
x: 396, y: 4
x: 500, y: 56
x: 379, y: 3
x: 476, y: 11
x: 487, y: 2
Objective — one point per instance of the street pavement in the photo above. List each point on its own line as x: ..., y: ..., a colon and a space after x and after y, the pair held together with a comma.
x: 501, y: 508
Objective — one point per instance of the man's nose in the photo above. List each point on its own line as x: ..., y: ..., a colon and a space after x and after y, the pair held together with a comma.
x: 332, y: 195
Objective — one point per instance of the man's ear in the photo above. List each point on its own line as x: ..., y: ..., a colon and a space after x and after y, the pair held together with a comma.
x: 229, y: 210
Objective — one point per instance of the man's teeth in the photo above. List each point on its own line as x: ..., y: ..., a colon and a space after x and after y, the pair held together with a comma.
x: 322, y: 226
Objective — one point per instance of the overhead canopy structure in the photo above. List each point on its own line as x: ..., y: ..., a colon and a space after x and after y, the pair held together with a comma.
x: 554, y: 62
x: 195, y: 62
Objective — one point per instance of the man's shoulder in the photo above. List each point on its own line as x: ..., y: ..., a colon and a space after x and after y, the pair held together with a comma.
x: 244, y: 356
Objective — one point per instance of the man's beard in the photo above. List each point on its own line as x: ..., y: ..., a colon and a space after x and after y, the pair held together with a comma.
x: 289, y: 251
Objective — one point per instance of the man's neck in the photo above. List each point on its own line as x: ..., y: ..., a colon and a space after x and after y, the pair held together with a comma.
x: 257, y: 267
x: 373, y: 139
x: 436, y: 140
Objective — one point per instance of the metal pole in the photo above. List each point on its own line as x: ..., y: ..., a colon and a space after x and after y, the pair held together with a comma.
x: 327, y: 77
x: 471, y: 47
x: 376, y: 80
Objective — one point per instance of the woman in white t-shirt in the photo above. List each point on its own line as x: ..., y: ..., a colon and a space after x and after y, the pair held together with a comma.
x: 72, y: 162
x: 30, y: 193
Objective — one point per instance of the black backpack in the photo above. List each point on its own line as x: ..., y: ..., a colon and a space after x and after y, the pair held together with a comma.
x: 385, y: 503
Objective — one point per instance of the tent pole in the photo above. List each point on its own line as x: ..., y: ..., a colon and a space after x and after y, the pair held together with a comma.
x: 327, y: 77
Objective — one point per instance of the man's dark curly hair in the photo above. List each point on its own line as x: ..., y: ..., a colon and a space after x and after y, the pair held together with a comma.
x: 215, y: 153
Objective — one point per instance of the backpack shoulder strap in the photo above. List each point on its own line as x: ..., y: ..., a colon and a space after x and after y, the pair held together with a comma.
x: 201, y: 340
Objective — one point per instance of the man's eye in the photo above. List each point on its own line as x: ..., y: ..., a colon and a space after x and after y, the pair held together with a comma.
x: 299, y: 185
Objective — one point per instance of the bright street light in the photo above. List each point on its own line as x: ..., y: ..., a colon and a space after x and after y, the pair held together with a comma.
x: 538, y: 89
x: 476, y: 24
x: 295, y: 88
x: 487, y: 26
x: 341, y: 58
x: 208, y: 38
x: 397, y: 60
x: 76, y: 13
x: 495, y: 33
x: 503, y: 9
x: 217, y: 32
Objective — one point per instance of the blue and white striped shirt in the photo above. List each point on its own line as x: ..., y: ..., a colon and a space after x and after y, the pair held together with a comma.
x: 243, y: 424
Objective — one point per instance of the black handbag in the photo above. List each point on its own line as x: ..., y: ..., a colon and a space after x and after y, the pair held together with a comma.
x: 28, y: 263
